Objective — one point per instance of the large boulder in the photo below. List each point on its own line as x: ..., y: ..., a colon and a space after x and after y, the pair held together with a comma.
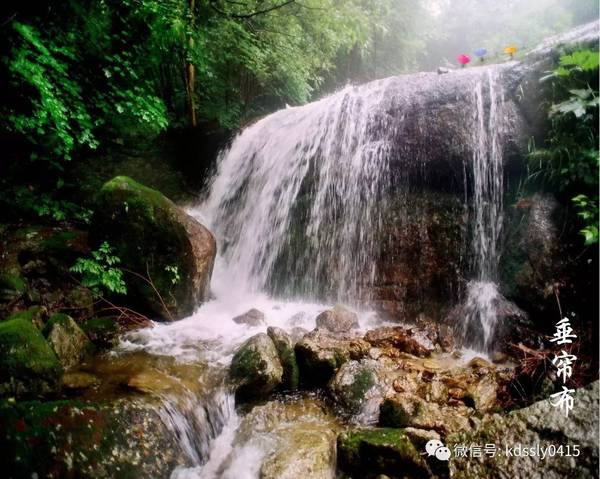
x: 28, y: 366
x: 370, y: 452
x: 123, y: 438
x: 538, y: 426
x: 256, y: 368
x: 157, y: 240
x: 337, y: 320
x: 320, y: 354
x: 68, y: 341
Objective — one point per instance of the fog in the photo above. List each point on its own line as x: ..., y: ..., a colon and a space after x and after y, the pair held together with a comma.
x: 461, y: 26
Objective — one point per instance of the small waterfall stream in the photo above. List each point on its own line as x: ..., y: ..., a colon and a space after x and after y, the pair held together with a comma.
x: 480, y: 320
x: 297, y: 206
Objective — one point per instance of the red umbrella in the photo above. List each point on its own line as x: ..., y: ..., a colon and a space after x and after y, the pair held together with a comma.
x: 463, y: 59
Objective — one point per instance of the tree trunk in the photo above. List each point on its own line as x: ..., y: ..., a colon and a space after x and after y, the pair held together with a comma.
x: 190, y: 70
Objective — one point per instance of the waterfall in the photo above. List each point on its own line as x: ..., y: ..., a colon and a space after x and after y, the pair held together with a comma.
x: 481, y: 318
x: 299, y: 200
x: 298, y: 194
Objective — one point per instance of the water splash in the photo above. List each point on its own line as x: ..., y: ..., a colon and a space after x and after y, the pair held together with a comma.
x: 480, y: 310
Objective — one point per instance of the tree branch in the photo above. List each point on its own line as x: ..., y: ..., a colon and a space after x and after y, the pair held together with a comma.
x: 251, y: 14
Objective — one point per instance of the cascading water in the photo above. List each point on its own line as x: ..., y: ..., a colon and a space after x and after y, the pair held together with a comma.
x: 481, y: 319
x: 298, y: 195
x: 298, y: 205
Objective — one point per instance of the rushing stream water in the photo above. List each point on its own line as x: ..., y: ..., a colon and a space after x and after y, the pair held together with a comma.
x: 296, y: 206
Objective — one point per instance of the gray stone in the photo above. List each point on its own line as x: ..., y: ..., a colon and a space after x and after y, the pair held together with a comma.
x: 67, y: 339
x: 539, y: 424
x: 337, y: 320
x: 252, y: 317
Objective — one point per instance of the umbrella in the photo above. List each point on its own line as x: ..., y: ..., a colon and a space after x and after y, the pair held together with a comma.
x: 510, y: 50
x: 463, y: 59
x: 480, y: 53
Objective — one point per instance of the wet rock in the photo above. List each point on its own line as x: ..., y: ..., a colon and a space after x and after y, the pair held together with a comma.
x: 156, y: 239
x: 300, y: 436
x: 67, y: 340
x: 540, y: 424
x: 256, y: 368
x: 358, y: 387
x: 369, y: 452
x: 337, y: 320
x: 80, y: 439
x: 320, y: 353
x: 153, y: 381
x: 28, y: 365
x: 78, y: 380
x: 511, y: 322
x: 408, y: 339
x: 297, y: 333
x: 409, y: 410
x: 252, y: 317
x: 287, y: 356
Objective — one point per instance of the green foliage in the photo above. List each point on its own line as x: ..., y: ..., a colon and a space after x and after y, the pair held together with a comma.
x: 581, y: 60
x: 588, y: 212
x: 174, y: 271
x: 56, y: 118
x: 44, y: 205
x: 570, y: 160
x: 100, y: 272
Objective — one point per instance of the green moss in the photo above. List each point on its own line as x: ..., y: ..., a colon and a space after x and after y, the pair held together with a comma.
x: 35, y: 315
x: 246, y: 362
x: 379, y: 451
x: 291, y: 372
x: 363, y: 381
x: 144, y: 228
x: 392, y: 414
x: 27, y: 363
x: 83, y: 439
x: 57, y: 318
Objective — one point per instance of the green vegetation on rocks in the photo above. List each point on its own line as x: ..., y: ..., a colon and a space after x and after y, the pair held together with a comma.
x: 256, y: 368
x: 28, y: 366
x: 153, y: 237
x: 370, y: 452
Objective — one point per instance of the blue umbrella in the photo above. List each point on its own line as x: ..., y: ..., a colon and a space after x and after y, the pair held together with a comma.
x: 480, y: 53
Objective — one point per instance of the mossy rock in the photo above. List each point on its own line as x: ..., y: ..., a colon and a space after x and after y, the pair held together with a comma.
x: 352, y: 384
x: 287, y: 356
x: 68, y: 341
x: 28, y: 366
x: 37, y: 315
x: 153, y: 238
x: 370, y: 452
x: 122, y: 439
x: 256, y: 368
x: 393, y: 414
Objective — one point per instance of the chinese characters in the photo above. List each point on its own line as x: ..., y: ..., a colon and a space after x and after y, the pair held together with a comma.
x: 564, y: 365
